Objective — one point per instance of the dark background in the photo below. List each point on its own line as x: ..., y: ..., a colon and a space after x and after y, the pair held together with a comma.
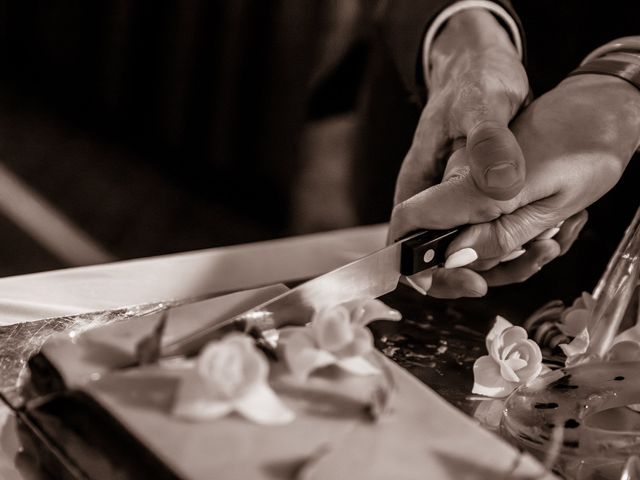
x: 163, y: 126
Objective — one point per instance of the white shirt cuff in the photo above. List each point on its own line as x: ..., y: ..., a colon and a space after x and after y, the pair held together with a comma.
x: 450, y: 11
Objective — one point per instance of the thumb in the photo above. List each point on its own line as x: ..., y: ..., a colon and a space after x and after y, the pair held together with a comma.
x: 496, y: 160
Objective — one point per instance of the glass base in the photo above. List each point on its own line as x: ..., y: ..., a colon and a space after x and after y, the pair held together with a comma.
x: 579, y: 416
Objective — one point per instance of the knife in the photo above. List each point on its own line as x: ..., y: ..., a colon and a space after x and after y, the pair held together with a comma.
x: 366, y: 278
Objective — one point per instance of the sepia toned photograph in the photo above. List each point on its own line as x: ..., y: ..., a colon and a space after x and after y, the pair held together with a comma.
x: 319, y: 240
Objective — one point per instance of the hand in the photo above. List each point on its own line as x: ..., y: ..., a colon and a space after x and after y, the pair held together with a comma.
x: 477, y: 85
x: 577, y: 139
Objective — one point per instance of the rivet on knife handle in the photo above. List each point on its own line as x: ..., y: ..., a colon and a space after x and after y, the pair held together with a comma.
x: 425, y: 250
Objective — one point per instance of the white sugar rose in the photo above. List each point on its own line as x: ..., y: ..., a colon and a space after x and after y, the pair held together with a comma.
x: 230, y: 375
x: 335, y: 336
x: 230, y: 368
x: 513, y: 360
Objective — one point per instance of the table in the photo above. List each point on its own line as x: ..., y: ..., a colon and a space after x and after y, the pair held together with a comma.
x: 180, y: 276
x: 209, y: 272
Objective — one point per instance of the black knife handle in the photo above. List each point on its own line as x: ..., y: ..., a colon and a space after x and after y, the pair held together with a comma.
x: 425, y: 250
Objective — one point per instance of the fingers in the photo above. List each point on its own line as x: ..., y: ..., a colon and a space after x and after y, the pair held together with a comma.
x: 457, y: 163
x: 429, y: 208
x: 507, y: 233
x: 496, y: 160
x: 422, y: 166
x: 457, y: 283
x: 570, y: 230
x: 515, y: 267
x: 538, y: 254
x: 411, y: 178
x: 482, y: 265
x: 456, y: 201
x: 449, y: 283
x: 525, y: 262
x: 475, y: 107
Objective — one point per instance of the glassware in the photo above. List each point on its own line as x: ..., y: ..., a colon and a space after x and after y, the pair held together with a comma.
x: 581, y: 419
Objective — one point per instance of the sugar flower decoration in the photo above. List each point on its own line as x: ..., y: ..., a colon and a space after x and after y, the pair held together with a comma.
x: 576, y: 318
x: 335, y: 336
x: 576, y: 348
x: 513, y: 360
x: 230, y: 375
x: 624, y: 348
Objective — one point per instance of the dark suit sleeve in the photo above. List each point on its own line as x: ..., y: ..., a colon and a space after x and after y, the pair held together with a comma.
x: 403, y: 25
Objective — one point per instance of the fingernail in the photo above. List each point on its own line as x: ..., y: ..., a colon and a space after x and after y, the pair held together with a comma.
x: 548, y: 233
x: 513, y: 255
x: 543, y: 261
x: 421, y: 283
x: 501, y: 175
x: 461, y: 258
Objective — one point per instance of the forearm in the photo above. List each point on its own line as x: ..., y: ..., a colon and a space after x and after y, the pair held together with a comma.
x: 617, y: 102
x: 615, y: 70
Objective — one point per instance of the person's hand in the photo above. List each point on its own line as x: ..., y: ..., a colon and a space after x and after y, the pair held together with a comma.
x: 477, y: 85
x: 577, y: 140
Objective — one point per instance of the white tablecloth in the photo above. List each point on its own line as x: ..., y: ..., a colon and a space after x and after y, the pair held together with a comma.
x: 185, y: 275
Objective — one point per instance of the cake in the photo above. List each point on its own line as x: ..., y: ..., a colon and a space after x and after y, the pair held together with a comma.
x: 103, y: 418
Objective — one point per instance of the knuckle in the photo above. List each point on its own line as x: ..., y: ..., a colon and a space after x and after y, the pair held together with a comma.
x: 583, y: 215
x: 470, y: 99
x: 456, y: 174
x: 486, y: 212
x: 399, y: 214
x: 505, y: 239
x: 551, y: 250
x: 490, y: 133
x: 471, y: 89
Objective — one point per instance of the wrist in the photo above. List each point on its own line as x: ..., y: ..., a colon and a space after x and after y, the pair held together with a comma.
x: 469, y: 36
x: 615, y: 99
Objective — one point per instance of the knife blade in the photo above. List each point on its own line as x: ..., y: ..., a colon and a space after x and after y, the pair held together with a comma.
x: 366, y: 278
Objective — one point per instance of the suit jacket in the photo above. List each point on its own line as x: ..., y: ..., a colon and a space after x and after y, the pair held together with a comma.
x: 557, y: 34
